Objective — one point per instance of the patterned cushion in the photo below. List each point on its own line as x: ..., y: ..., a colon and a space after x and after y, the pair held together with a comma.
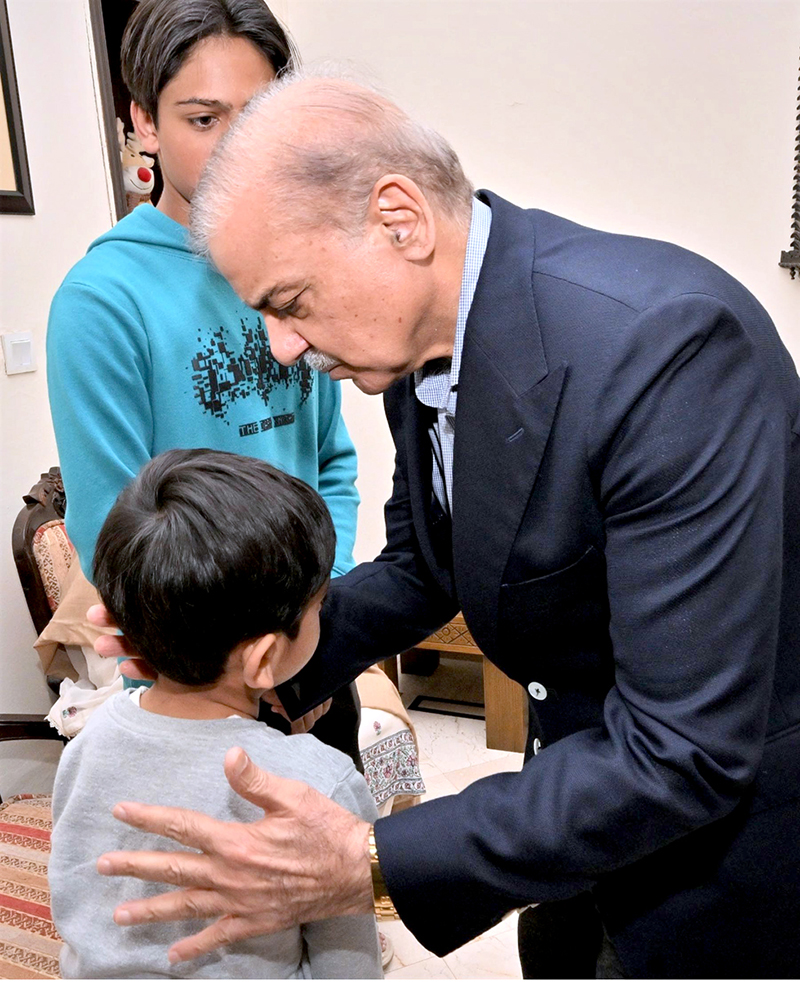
x: 391, y: 763
x: 54, y: 554
x: 29, y: 943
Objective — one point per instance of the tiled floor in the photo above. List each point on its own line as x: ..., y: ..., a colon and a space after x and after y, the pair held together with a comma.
x: 453, y: 754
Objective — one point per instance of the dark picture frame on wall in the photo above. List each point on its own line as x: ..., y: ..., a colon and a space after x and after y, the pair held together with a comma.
x: 16, y: 194
x: 108, y: 18
x: 790, y: 259
x: 108, y: 22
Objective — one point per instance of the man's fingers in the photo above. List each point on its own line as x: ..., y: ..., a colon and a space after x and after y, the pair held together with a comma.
x: 190, y: 828
x: 246, y: 779
x: 224, y: 931
x: 115, y: 646
x: 256, y: 786
x: 271, y: 697
x: 98, y: 615
x: 211, y: 938
x: 305, y: 723
x: 138, y: 669
x: 111, y: 646
x: 179, y: 905
x: 178, y: 868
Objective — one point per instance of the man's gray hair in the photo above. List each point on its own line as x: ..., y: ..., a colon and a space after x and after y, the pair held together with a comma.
x: 324, y: 163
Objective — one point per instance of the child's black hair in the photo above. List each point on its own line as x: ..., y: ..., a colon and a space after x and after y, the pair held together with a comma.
x: 161, y: 34
x: 206, y: 549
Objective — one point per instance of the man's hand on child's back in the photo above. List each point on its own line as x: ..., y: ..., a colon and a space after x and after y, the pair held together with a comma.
x: 115, y: 646
x: 307, y: 859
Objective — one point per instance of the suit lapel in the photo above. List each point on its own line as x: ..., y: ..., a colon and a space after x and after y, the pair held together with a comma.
x: 507, y: 400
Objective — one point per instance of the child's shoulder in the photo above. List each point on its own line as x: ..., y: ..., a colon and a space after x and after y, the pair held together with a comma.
x: 303, y: 757
x: 307, y: 758
x: 98, y: 740
x: 308, y: 747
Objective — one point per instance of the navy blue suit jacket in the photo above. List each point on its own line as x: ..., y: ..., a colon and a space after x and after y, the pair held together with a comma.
x: 625, y: 533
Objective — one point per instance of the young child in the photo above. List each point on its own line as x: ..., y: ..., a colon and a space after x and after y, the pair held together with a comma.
x: 215, y: 567
x: 169, y: 356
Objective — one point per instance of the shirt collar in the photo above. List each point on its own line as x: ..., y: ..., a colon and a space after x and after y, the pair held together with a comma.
x: 435, y: 380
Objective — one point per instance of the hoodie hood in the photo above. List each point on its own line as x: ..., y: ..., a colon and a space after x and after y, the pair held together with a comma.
x: 147, y: 226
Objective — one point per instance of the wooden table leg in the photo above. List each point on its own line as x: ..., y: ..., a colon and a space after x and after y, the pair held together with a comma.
x: 506, y: 710
x: 389, y: 666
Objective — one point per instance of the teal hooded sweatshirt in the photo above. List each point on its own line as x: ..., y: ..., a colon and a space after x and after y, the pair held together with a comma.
x: 149, y: 349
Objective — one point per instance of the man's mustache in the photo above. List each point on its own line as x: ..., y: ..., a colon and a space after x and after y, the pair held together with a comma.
x: 319, y: 361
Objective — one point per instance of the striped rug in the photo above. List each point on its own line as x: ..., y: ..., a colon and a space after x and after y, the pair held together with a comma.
x: 29, y: 944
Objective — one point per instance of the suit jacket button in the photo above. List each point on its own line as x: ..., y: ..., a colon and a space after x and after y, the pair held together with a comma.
x: 537, y: 690
x: 537, y: 745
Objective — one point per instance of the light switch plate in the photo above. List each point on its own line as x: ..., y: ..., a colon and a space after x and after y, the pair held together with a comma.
x: 18, y: 352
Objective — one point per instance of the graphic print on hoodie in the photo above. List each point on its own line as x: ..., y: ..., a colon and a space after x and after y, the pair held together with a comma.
x: 222, y: 375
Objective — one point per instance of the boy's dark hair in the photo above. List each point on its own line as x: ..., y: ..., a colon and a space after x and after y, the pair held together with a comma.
x: 161, y: 33
x: 206, y: 549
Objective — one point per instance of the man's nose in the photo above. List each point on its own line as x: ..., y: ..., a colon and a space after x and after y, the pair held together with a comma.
x: 286, y: 344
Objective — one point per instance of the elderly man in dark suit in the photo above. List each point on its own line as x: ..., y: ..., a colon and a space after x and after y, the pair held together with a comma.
x: 597, y: 461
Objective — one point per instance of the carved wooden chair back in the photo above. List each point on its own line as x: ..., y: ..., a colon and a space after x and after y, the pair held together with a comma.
x: 42, y: 550
x: 42, y: 553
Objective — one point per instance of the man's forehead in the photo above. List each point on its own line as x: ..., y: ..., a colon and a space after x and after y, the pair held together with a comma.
x: 248, y: 254
x: 245, y: 232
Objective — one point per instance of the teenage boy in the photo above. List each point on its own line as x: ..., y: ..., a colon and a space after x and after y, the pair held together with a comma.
x: 148, y: 347
x: 215, y: 566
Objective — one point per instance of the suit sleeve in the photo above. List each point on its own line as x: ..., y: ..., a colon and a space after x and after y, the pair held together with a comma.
x: 98, y: 365
x: 690, y: 438
x: 376, y: 610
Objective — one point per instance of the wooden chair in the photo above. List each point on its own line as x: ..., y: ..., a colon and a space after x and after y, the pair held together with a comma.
x: 41, y: 551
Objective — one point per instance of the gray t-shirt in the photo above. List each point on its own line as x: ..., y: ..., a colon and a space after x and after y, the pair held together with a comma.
x: 128, y: 754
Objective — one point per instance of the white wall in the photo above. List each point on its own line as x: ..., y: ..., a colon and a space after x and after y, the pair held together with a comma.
x: 669, y: 119
x: 62, y: 134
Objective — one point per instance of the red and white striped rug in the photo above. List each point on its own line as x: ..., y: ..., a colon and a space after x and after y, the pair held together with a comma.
x: 29, y: 943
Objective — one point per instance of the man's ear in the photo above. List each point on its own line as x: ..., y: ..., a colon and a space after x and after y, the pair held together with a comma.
x: 260, y: 659
x: 145, y: 128
x: 400, y: 211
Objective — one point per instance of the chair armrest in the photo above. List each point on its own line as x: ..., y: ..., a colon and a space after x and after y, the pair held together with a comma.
x: 19, y: 726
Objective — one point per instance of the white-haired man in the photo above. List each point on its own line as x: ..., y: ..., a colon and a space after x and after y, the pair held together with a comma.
x: 595, y: 459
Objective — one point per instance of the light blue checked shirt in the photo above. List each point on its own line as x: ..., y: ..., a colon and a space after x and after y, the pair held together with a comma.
x: 436, y: 384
